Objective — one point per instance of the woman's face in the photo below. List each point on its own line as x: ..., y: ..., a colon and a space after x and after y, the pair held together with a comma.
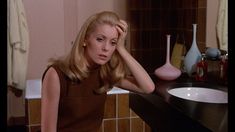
x: 101, y: 44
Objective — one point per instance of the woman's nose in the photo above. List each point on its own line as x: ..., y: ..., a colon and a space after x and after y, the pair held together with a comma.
x: 105, y: 47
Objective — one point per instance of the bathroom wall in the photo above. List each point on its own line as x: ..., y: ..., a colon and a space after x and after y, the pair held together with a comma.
x: 52, y: 36
x: 212, y: 11
x: 151, y: 20
x: 46, y: 28
x: 53, y: 26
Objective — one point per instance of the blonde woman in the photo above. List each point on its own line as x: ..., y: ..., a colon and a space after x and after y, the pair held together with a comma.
x: 74, y: 87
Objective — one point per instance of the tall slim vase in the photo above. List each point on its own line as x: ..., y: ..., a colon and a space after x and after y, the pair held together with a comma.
x: 193, y: 55
x: 167, y: 71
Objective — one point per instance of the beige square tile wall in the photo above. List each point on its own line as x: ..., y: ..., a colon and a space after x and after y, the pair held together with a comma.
x: 118, y: 117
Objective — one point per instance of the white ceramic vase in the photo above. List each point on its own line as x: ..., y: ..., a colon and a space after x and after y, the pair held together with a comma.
x: 193, y: 55
x: 167, y: 71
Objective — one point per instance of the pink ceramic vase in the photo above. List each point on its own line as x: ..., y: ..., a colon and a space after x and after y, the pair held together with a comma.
x: 167, y: 71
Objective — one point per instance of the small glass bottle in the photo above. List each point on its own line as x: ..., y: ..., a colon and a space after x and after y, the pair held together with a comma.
x: 223, y: 69
x: 201, y: 69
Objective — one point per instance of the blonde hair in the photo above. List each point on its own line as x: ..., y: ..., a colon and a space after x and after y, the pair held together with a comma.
x: 75, y: 64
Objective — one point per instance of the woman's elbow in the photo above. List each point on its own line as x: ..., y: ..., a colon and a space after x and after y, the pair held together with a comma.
x: 149, y: 89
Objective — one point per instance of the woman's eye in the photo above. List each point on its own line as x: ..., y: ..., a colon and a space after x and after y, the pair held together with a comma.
x: 99, y: 39
x: 114, y: 43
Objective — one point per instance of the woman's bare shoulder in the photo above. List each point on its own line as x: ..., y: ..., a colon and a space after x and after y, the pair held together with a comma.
x: 51, y: 80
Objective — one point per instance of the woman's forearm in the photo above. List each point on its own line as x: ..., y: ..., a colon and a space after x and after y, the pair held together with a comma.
x: 143, y: 80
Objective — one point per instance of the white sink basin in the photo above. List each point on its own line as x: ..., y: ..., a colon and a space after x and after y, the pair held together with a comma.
x: 200, y: 94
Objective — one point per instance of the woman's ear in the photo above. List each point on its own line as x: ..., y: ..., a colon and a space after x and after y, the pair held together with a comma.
x: 84, y: 44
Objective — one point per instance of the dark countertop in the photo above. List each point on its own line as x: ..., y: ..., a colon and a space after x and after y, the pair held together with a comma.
x: 166, y: 113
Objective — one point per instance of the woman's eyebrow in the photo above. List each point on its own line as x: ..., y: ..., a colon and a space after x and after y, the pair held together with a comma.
x: 101, y: 35
x: 114, y: 39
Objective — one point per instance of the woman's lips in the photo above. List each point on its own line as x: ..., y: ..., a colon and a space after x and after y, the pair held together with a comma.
x: 103, y: 57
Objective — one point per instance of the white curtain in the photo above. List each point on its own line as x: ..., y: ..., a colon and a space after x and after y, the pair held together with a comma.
x: 17, y: 45
x: 222, y: 25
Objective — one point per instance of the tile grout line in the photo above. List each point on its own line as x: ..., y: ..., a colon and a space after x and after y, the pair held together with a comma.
x: 108, y: 119
x: 143, y: 126
x: 102, y: 126
x: 29, y: 121
x: 130, y: 121
x: 116, y: 113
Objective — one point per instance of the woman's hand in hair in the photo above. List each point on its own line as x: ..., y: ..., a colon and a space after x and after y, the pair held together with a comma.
x: 122, y: 30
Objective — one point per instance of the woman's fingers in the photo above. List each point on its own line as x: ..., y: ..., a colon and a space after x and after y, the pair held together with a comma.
x: 122, y: 30
x: 123, y: 26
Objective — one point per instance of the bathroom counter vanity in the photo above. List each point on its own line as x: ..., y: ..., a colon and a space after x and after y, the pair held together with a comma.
x: 166, y: 113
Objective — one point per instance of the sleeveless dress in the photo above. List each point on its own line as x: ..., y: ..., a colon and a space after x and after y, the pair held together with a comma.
x: 80, y: 108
